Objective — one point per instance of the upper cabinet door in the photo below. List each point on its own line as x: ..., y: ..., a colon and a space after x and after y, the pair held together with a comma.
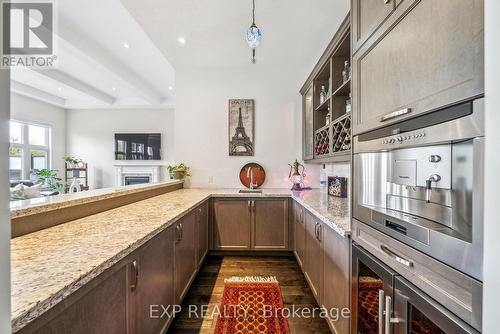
x: 427, y: 55
x: 308, y: 125
x: 367, y: 16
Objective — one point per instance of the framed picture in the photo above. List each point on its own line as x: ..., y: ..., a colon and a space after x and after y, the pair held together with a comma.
x: 241, y: 127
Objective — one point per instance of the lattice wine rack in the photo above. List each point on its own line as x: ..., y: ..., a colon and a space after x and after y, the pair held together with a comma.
x: 333, y: 138
x: 322, y: 141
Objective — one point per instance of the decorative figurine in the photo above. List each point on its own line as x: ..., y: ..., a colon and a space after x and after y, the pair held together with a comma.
x: 297, y: 176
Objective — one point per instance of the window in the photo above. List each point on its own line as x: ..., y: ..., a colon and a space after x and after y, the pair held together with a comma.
x: 29, y: 149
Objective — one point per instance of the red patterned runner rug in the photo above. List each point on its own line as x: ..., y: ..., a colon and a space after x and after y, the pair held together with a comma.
x: 251, y: 305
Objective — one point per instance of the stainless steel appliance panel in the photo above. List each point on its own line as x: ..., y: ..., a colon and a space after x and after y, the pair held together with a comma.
x: 416, y: 312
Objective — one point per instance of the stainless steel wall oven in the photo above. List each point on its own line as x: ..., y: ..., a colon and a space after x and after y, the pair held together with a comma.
x: 418, y: 202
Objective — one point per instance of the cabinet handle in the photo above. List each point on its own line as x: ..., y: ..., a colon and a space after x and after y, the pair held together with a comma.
x: 253, y: 205
x: 319, y: 231
x: 248, y: 204
x: 133, y: 286
x: 177, y: 233
x: 395, y: 114
x: 182, y: 231
x: 396, y: 257
x: 381, y: 311
x: 316, y: 230
x: 388, y: 319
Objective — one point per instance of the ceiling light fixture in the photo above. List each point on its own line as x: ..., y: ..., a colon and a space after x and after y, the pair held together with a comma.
x: 254, y: 35
x: 59, y: 88
x: 126, y: 45
x: 182, y: 40
x: 170, y: 88
x: 113, y: 89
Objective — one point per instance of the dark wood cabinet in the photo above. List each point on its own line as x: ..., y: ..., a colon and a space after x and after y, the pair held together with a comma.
x: 185, y: 264
x: 202, y: 232
x: 402, y: 71
x: 299, y: 234
x: 155, y: 283
x: 336, y: 276
x: 231, y: 224
x: 250, y: 224
x: 314, y: 255
x: 103, y: 309
x: 270, y: 224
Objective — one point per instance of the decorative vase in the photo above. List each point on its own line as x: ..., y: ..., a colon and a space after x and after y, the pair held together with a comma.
x: 75, y: 186
x: 177, y: 175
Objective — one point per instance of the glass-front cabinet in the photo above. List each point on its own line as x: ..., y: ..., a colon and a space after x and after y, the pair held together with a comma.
x: 415, y: 312
x: 372, y: 287
x: 383, y: 302
x: 308, y: 125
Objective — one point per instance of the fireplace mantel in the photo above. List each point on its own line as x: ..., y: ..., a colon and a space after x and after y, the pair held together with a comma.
x: 150, y: 169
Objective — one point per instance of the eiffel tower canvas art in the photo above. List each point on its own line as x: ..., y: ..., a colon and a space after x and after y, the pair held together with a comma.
x: 241, y: 127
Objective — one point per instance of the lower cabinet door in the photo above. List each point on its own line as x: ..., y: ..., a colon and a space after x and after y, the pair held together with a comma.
x: 299, y: 234
x: 314, y: 256
x: 184, y: 254
x: 419, y: 313
x: 270, y: 224
x: 104, y: 309
x: 336, y: 278
x: 231, y: 225
x: 202, y: 232
x: 155, y: 283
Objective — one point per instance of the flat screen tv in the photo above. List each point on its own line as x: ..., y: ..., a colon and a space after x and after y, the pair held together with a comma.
x: 137, y: 146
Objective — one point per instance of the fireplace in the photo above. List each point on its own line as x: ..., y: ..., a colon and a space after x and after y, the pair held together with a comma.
x: 130, y: 180
x: 128, y: 174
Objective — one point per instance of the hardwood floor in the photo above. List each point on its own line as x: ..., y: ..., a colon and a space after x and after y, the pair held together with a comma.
x: 209, y: 284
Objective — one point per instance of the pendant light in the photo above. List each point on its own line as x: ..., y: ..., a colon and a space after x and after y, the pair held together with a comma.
x: 254, y: 35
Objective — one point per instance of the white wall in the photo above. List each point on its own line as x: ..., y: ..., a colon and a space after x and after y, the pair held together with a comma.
x: 201, y: 122
x: 4, y: 205
x: 491, y: 320
x: 33, y: 111
x: 90, y: 136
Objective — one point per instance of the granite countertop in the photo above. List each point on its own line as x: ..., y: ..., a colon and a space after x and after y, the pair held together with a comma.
x: 32, y: 206
x: 49, y: 265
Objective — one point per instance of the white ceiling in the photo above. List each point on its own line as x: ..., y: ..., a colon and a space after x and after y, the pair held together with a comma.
x: 295, y: 32
x: 96, y: 70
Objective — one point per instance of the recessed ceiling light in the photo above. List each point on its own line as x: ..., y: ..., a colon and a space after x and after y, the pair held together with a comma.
x: 170, y: 88
x: 126, y: 45
x: 182, y: 40
x: 59, y: 88
x: 113, y: 89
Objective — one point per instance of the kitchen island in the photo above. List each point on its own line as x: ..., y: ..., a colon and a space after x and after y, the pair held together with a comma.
x: 51, y: 264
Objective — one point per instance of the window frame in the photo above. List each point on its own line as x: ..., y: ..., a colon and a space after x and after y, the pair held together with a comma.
x: 26, y: 147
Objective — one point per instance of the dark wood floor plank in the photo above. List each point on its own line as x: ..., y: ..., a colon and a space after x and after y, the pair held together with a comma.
x: 208, y: 287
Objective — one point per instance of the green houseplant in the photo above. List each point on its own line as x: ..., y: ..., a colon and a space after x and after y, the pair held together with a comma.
x: 179, y: 172
x: 49, y: 178
x: 71, y: 161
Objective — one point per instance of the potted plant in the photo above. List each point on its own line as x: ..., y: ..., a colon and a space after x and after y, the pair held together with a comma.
x: 72, y: 162
x: 179, y: 172
x: 48, y: 177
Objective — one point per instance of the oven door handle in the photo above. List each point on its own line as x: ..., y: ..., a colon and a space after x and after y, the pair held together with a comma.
x: 396, y: 257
